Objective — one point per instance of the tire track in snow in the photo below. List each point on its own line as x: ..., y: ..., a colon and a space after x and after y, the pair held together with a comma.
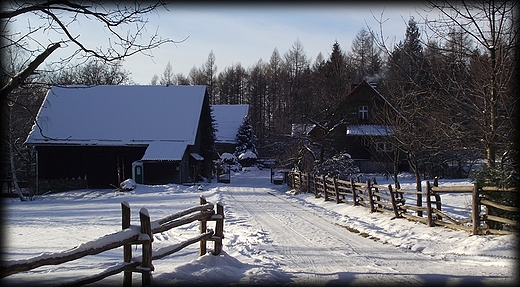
x: 306, y: 244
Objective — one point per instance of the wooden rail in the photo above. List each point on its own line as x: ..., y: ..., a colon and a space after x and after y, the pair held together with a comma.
x: 385, y: 198
x: 133, y: 235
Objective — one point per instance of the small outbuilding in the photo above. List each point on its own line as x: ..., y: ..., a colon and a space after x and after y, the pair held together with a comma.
x: 228, y: 119
x: 98, y: 136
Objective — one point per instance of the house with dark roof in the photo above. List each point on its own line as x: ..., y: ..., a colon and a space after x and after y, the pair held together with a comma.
x: 98, y: 136
x: 354, y: 126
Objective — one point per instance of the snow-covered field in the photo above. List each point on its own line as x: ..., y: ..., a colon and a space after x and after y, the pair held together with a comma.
x: 272, y: 237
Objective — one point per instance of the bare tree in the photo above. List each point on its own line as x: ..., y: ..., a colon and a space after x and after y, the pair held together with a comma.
x: 155, y: 80
x: 210, y: 73
x: 492, y: 26
x: 366, y: 56
x: 94, y: 72
x: 296, y: 95
x: 167, y: 77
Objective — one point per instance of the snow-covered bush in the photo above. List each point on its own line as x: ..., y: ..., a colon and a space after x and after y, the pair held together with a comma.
x: 340, y: 165
x: 229, y: 162
x: 228, y: 158
x: 247, y: 158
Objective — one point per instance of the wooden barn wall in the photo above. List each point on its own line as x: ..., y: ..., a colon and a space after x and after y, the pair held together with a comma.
x: 161, y: 172
x: 100, y: 164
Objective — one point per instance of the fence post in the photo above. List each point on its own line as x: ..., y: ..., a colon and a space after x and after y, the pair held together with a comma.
x: 378, y: 198
x: 325, y: 194
x: 370, y: 199
x: 336, y: 191
x: 419, y: 199
x: 437, y: 196
x: 146, y: 263
x: 429, y: 204
x: 315, y: 188
x: 202, y: 229
x: 219, y: 229
x: 392, y: 199
x: 353, y: 191
x: 300, y: 181
x: 475, y: 210
x: 308, y: 179
x: 127, y: 248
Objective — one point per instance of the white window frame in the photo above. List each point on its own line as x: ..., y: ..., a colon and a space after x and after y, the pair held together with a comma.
x: 363, y: 112
x: 384, y: 146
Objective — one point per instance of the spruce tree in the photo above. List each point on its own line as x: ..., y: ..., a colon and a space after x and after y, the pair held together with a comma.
x: 246, y: 138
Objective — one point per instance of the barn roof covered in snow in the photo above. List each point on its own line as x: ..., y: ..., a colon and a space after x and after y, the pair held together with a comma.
x: 228, y: 118
x: 118, y: 115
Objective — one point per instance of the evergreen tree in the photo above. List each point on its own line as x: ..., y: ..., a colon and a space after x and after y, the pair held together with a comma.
x: 207, y: 148
x: 246, y: 138
x: 407, y: 64
x: 336, y: 76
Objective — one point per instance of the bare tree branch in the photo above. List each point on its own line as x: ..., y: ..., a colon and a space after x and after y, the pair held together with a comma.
x: 17, y: 80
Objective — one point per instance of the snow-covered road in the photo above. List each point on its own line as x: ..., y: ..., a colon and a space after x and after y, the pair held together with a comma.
x: 314, y: 250
x: 272, y: 237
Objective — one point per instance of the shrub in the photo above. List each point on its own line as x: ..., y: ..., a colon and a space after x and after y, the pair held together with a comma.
x: 340, y: 165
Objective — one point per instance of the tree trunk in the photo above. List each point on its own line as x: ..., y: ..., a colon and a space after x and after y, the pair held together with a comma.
x: 12, y: 163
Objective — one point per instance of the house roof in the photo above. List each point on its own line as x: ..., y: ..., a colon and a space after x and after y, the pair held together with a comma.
x: 228, y: 118
x: 369, y: 130
x: 168, y: 151
x: 118, y: 115
x: 359, y: 86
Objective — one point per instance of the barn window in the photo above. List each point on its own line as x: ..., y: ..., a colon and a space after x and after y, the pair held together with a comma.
x: 363, y: 113
x: 384, y: 146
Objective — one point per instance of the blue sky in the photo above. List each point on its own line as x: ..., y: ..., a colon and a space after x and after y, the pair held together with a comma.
x: 247, y: 33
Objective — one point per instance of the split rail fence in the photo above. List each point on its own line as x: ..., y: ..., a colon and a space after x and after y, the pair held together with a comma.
x: 134, y: 235
x: 426, y: 209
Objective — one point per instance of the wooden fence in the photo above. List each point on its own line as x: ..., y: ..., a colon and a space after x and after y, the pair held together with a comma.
x: 134, y: 235
x: 427, y: 207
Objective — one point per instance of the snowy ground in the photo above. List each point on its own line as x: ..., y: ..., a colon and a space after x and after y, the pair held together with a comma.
x: 272, y: 237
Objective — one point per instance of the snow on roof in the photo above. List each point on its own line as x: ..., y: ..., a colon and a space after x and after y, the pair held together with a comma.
x: 169, y: 151
x: 228, y: 119
x: 369, y: 130
x: 118, y: 115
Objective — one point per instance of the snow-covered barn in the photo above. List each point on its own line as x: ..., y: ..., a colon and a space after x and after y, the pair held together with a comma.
x: 228, y: 119
x: 97, y: 136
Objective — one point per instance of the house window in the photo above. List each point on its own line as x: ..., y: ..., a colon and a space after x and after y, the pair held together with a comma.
x: 363, y: 113
x: 384, y: 146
